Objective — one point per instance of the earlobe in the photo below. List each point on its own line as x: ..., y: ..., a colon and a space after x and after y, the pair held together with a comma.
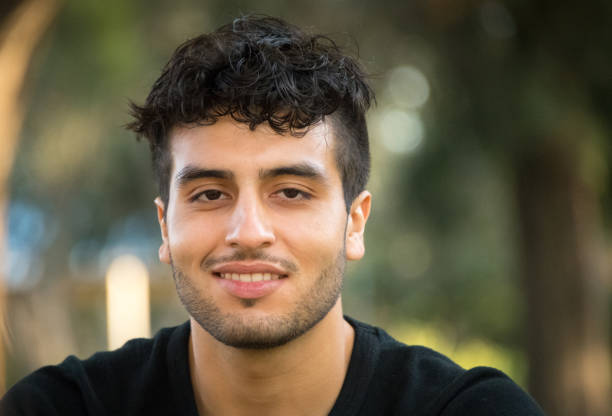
x: 164, y: 250
x: 358, y: 216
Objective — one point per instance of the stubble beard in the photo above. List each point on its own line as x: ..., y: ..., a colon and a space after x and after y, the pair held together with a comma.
x: 236, y: 330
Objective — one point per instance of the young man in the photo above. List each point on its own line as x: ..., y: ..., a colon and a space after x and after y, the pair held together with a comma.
x: 260, y: 149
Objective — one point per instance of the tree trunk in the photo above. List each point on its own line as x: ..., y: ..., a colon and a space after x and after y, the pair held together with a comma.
x: 19, y: 34
x: 567, y: 343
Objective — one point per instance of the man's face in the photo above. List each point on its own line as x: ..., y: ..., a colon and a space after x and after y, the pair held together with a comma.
x: 256, y: 230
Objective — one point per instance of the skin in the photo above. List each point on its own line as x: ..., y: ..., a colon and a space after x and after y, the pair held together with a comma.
x: 257, y: 216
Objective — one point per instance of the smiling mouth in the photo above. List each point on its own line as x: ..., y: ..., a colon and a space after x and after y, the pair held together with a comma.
x: 250, y: 277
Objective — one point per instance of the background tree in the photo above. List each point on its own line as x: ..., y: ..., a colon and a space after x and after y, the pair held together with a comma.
x: 540, y: 97
x: 22, y: 24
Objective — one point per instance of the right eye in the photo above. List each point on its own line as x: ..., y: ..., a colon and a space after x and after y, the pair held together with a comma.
x: 210, y: 195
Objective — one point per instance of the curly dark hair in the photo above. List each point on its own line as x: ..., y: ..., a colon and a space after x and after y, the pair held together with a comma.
x: 261, y: 69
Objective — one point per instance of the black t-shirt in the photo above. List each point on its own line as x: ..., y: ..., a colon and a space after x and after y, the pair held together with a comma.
x: 151, y: 377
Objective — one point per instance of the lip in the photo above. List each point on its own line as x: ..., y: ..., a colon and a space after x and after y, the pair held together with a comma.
x: 249, y: 267
x: 250, y: 290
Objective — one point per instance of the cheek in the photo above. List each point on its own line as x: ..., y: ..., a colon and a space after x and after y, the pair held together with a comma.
x: 190, y: 239
x: 316, y: 237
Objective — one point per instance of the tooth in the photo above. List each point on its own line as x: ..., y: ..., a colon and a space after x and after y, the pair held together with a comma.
x: 235, y: 276
x: 266, y: 276
x: 274, y: 277
x: 245, y: 277
x: 257, y: 277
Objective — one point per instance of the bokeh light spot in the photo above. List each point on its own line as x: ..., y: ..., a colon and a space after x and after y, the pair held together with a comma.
x: 401, y: 131
x: 408, y: 87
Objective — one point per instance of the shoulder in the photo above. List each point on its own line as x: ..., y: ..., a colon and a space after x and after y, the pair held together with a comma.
x: 417, y: 380
x: 486, y: 391
x: 398, y: 362
x: 93, y: 385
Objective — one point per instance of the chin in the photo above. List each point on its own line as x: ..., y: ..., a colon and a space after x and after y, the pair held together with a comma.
x: 255, y: 331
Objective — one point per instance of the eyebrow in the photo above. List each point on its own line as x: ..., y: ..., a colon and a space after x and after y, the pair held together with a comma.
x: 304, y: 170
x: 190, y: 173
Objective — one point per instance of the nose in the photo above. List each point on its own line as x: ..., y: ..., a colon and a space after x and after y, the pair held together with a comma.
x: 249, y: 226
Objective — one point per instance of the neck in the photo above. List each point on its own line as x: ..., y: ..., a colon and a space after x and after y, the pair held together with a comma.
x: 302, y: 377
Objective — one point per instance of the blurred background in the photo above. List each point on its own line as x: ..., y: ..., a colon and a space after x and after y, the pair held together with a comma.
x: 490, y: 233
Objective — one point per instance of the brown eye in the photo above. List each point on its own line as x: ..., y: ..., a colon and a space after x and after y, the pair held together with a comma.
x: 210, y: 195
x: 291, y: 193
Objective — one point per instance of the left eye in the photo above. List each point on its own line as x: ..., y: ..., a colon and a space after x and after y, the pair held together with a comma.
x: 292, y: 193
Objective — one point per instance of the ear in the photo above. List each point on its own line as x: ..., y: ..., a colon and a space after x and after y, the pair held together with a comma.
x: 164, y: 249
x: 358, y: 216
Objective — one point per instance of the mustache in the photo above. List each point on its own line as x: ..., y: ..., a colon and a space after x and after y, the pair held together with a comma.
x: 242, y: 255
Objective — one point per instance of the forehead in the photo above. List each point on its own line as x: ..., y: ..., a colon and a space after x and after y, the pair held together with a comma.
x: 230, y: 145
